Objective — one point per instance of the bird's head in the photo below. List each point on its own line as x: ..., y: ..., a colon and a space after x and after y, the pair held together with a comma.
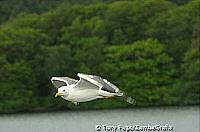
x: 62, y: 91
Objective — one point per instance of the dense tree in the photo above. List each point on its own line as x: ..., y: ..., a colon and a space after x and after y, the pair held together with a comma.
x: 17, y: 87
x: 175, y: 28
x: 141, y: 65
x: 179, y: 2
x: 130, y: 19
x: 150, y: 49
x: 189, y: 88
x: 10, y: 9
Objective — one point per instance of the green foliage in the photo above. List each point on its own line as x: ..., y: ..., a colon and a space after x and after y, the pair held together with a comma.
x: 16, y: 88
x: 147, y: 48
x: 189, y: 88
x: 11, y: 9
x: 174, y: 28
x: 130, y: 19
x: 20, y: 43
x: 141, y: 65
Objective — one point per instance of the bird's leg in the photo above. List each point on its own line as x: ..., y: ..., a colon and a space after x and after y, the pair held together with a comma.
x: 76, y: 103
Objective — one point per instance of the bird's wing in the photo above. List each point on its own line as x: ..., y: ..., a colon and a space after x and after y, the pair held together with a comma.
x: 86, y: 83
x: 62, y: 81
x: 100, y: 83
x: 109, y: 87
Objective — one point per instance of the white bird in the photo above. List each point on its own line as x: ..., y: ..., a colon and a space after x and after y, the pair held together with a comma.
x: 89, y: 87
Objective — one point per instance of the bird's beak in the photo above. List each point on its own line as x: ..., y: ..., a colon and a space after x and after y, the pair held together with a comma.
x: 58, y: 94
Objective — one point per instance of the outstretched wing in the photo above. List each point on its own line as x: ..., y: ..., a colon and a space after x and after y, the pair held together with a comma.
x: 86, y: 83
x: 62, y: 81
x: 107, y: 86
x: 100, y: 83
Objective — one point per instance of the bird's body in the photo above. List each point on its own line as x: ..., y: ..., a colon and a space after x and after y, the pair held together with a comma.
x: 82, y: 95
x: 88, y: 88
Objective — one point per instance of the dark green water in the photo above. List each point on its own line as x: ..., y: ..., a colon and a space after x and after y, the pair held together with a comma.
x: 183, y: 119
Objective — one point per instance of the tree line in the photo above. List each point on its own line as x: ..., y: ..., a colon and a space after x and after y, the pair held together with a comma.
x: 148, y: 48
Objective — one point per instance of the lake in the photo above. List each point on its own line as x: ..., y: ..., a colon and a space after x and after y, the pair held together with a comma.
x: 176, y: 119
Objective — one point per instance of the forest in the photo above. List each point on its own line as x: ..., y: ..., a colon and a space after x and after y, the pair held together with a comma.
x: 148, y: 48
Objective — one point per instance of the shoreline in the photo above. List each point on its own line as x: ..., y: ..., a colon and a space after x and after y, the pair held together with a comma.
x: 40, y: 111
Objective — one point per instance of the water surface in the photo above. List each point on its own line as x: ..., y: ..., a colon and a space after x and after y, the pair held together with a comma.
x: 183, y: 119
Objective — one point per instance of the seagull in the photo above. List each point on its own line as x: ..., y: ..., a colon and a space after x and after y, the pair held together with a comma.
x: 87, y: 88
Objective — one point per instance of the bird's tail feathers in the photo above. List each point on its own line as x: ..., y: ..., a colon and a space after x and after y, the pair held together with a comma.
x: 127, y: 98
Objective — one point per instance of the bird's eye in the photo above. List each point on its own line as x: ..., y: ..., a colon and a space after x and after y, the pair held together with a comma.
x: 63, y: 90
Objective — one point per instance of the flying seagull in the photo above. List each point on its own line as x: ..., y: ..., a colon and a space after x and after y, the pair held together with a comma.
x: 89, y: 87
